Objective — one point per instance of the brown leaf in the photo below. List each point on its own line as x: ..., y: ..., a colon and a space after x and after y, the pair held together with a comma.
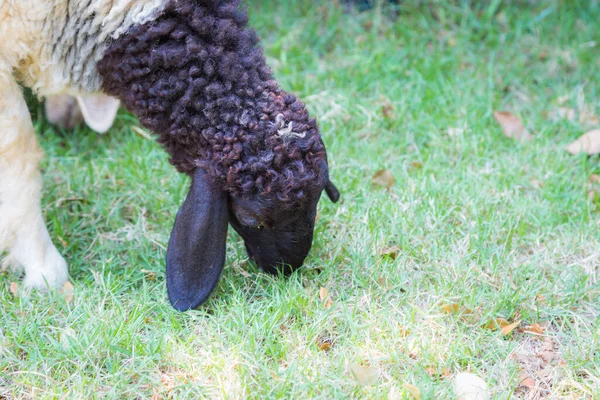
x: 535, y: 329
x: 322, y: 293
x: 384, y: 177
x: 414, y: 391
x: 526, y: 381
x: 450, y: 308
x: 509, y: 328
x: 435, y: 372
x: 391, y: 252
x: 328, y: 303
x: 588, y: 143
x: 68, y: 291
x: 365, y: 376
x: 404, y: 332
x: 497, y: 323
x: 14, y: 289
x: 387, y: 110
x: 512, y: 126
x: 324, y: 343
x: 149, y: 275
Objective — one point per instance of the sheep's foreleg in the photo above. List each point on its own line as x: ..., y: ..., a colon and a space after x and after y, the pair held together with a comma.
x: 23, y: 233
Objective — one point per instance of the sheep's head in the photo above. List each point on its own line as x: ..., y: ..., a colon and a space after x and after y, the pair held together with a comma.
x: 197, y: 76
x: 277, y: 185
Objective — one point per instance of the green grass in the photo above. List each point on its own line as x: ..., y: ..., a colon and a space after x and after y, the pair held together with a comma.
x: 502, y: 228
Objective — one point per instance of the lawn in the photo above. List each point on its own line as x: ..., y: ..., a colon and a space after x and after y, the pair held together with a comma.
x: 404, y: 285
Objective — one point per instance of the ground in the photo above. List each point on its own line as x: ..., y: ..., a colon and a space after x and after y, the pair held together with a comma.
x: 479, y: 227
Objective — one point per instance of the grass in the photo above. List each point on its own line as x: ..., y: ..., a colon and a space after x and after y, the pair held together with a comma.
x: 500, y: 228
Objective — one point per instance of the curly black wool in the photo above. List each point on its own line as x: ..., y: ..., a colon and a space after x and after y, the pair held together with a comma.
x: 198, y: 78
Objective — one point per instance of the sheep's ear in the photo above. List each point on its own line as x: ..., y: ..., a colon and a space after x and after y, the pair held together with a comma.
x: 99, y: 111
x: 196, y: 251
x: 332, y: 192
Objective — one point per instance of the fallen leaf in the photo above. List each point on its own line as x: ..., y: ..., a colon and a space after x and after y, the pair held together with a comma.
x: 328, y: 303
x: 509, y: 328
x: 391, y: 252
x: 14, y: 289
x: 322, y: 293
x: 68, y: 291
x: 588, y: 143
x: 414, y: 391
x: 365, y: 376
x: 387, y: 110
x: 526, y: 381
x: 536, y: 329
x: 470, y: 387
x: 324, y: 343
x: 435, y: 372
x: 450, y: 308
x: 384, y: 177
x: 497, y: 323
x: 149, y: 275
x: 512, y: 126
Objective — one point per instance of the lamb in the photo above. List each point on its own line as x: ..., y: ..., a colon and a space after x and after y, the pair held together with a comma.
x: 194, y: 73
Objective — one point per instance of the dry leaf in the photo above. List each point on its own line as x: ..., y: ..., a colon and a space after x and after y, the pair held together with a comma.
x: 365, y: 376
x: 512, y: 126
x: 470, y: 387
x: 450, y: 308
x: 414, y: 391
x: 150, y: 275
x: 497, y: 323
x: 536, y: 329
x: 434, y: 372
x: 324, y: 343
x: 14, y: 289
x: 68, y: 291
x: 384, y: 177
x: 322, y: 293
x: 526, y: 381
x: 588, y: 143
x: 509, y: 328
x: 328, y: 303
x: 391, y: 252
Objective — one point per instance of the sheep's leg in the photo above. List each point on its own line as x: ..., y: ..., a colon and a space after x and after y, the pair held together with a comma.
x: 23, y: 233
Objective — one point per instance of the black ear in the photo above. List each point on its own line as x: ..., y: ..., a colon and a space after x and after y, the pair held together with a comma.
x: 196, y: 251
x: 332, y: 192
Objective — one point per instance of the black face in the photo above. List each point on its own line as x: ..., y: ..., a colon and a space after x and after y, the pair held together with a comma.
x: 277, y: 238
x: 278, y: 241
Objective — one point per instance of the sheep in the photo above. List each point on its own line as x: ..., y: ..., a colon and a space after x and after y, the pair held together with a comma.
x: 193, y: 73
x: 97, y: 110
